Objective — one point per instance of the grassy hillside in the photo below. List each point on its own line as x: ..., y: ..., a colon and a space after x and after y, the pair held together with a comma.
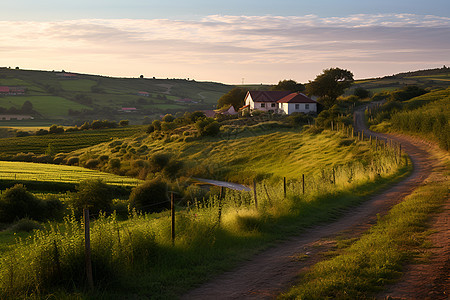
x: 89, y: 97
x: 427, y: 116
x: 137, y: 257
x: 431, y: 79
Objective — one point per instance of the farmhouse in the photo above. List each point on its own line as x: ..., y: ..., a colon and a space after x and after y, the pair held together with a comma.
x: 297, y: 102
x: 143, y: 94
x: 279, y: 102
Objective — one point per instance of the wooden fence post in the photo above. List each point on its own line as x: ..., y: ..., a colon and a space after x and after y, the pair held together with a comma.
x: 87, y: 249
x: 172, y: 208
x: 284, y: 186
x: 254, y: 193
x: 303, y: 183
x: 334, y: 177
x: 222, y: 195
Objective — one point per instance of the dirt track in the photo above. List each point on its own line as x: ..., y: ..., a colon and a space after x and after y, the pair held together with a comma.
x: 273, y: 271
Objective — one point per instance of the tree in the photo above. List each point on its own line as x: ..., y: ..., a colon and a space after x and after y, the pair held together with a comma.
x: 27, y: 107
x: 234, y: 97
x: 94, y: 194
x: 361, y: 93
x: 329, y: 85
x: 288, y: 85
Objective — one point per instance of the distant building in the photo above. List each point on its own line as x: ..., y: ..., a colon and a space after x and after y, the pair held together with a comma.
x: 128, y: 109
x: 227, y: 111
x: 11, y: 91
x: 15, y: 117
x: 65, y: 75
x: 143, y: 94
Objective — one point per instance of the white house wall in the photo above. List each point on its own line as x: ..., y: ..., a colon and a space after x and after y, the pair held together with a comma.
x: 290, y: 108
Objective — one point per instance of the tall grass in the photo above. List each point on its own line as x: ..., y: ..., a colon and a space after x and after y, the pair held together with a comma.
x: 431, y: 119
x: 136, y: 256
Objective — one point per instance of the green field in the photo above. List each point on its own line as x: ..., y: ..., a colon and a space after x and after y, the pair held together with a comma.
x: 50, y: 106
x: 23, y: 171
x: 66, y: 142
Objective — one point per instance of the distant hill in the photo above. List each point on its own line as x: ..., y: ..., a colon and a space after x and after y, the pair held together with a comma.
x: 72, y: 97
x: 431, y: 79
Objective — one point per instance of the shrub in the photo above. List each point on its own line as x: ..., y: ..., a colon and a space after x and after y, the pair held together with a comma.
x: 26, y: 225
x: 150, y: 128
x: 158, y: 161
x: 124, y: 123
x: 92, y: 163
x: 151, y: 196
x: 73, y: 161
x: 168, y: 118
x: 18, y: 203
x: 114, y: 163
x: 94, y: 194
x: 43, y: 159
x: 156, y: 124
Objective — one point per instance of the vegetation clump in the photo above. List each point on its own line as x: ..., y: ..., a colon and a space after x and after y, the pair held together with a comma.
x: 151, y: 196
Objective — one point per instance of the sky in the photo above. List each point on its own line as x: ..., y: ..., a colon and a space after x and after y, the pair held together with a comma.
x: 229, y: 41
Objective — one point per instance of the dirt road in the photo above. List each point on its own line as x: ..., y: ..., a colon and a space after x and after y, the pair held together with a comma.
x: 273, y: 271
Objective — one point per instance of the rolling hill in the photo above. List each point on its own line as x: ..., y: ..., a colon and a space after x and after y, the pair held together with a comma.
x: 69, y: 97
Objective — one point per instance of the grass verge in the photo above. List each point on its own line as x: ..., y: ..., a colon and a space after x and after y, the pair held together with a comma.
x: 378, y: 256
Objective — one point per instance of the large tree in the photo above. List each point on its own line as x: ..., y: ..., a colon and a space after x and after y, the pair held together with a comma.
x: 234, y: 97
x: 329, y: 85
x: 288, y: 85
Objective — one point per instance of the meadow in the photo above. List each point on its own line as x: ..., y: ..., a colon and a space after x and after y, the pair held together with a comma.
x: 136, y: 256
x: 25, y: 171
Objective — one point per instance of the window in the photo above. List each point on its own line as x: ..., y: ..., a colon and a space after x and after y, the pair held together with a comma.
x: 297, y: 106
x: 263, y: 105
x: 306, y: 106
x: 273, y: 105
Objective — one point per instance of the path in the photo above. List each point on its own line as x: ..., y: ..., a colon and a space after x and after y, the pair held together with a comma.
x: 273, y: 271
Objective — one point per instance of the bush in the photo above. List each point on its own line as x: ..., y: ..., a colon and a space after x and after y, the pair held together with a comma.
x: 151, y: 196
x: 26, y: 225
x: 114, y: 163
x: 73, y: 161
x: 92, y: 163
x: 156, y: 124
x: 158, y: 161
x: 18, y: 203
x: 94, y: 194
x: 168, y: 118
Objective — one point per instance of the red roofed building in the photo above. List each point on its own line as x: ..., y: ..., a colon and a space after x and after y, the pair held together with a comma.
x: 297, y: 102
x: 4, y: 90
x: 280, y: 102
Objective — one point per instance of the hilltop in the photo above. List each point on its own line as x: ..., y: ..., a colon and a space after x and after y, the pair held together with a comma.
x: 69, y: 97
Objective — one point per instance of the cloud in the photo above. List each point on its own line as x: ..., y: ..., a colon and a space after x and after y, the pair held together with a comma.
x: 217, y: 45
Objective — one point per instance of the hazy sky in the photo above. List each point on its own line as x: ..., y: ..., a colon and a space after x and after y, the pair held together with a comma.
x: 227, y: 41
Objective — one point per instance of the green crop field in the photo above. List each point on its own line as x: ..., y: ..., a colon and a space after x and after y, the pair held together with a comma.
x: 52, y: 106
x: 80, y: 85
x: 66, y: 142
x: 23, y: 171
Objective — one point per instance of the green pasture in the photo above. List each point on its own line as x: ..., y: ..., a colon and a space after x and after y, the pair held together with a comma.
x: 24, y: 171
x: 77, y: 85
x: 49, y: 106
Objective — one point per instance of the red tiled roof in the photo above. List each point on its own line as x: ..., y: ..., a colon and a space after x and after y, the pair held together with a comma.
x: 268, y: 96
x: 4, y: 89
x: 296, y: 98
